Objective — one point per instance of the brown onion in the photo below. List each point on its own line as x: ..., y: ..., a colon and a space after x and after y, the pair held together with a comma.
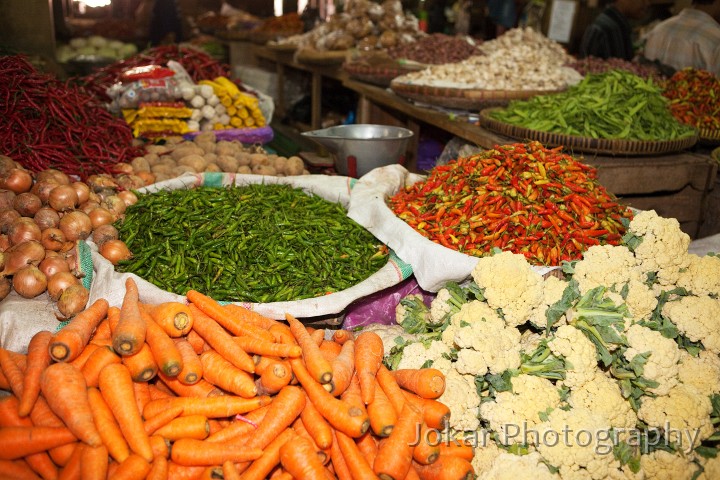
x: 52, y: 253
x: 18, y: 180
x: 103, y: 233
x: 89, y: 206
x: 101, y: 181
x: 59, y: 282
x: 7, y: 219
x: 115, y: 251
x: 148, y: 178
x: 3, y: 257
x: 73, y: 300
x: 5, y: 287
x: 76, y: 225
x: 101, y: 216
x: 29, y: 281
x: 27, y: 204
x: 53, y: 175
x: 94, y: 197
x: 4, y: 243
x: 47, y: 217
x: 43, y: 188
x: 18, y: 256
x: 53, y: 239
x: 6, y: 199
x: 24, y: 229
x: 82, y: 190
x: 123, y: 167
x: 128, y: 197
x: 52, y: 265
x: 6, y: 164
x: 63, y: 198
x: 130, y: 182
x: 115, y: 204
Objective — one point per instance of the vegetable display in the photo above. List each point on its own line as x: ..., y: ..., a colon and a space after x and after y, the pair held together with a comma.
x: 87, y: 419
x: 611, y: 105
x: 611, y: 372
x: 593, y: 65
x: 49, y: 124
x: 694, y: 98
x: 257, y: 243
x: 524, y: 198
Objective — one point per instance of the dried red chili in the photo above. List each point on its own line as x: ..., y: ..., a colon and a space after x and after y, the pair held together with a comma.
x: 525, y: 198
x: 694, y: 96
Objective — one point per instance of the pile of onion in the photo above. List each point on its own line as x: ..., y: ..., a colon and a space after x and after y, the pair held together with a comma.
x: 42, y: 218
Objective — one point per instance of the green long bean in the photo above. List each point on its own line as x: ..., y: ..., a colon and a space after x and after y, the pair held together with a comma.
x: 256, y: 243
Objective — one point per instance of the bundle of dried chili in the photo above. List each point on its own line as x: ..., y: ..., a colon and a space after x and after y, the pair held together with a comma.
x: 525, y: 198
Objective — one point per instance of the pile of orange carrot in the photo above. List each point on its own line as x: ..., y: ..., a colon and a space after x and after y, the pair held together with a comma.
x: 204, y: 390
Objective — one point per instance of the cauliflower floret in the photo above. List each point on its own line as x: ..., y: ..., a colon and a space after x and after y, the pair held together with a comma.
x: 510, y: 284
x: 574, y: 346
x: 641, y: 300
x: 416, y: 354
x: 462, y: 399
x: 664, y: 246
x: 440, y: 307
x: 711, y: 468
x: 485, y: 455
x: 578, y: 442
x: 701, y: 372
x: 698, y: 318
x: 412, y: 312
x: 602, y: 395
x: 496, y: 347
x: 530, y: 340
x: 605, y: 265
x: 702, y: 276
x: 662, y: 364
x: 553, y: 289
x: 389, y: 333
x: 512, y: 413
x: 508, y: 466
x: 684, y: 413
x: 662, y: 465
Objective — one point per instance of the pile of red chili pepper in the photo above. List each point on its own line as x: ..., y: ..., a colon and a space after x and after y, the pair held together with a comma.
x: 45, y: 123
x: 525, y: 198
x: 694, y: 96
x: 198, y: 64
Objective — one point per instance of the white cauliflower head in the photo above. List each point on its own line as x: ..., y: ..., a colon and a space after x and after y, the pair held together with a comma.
x: 574, y: 346
x: 508, y: 466
x: 485, y: 453
x: 711, y: 468
x: 462, y: 399
x: 510, y: 284
x: 641, y: 300
x: 702, y: 276
x: 701, y: 372
x: 417, y: 354
x: 605, y: 265
x: 553, y: 289
x: 662, y: 465
x: 602, y: 395
x: 698, y: 318
x: 662, y: 364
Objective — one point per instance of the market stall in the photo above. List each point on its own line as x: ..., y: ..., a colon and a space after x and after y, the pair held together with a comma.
x: 178, y: 299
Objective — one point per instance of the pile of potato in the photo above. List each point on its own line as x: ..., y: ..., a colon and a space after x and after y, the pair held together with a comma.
x: 205, y: 153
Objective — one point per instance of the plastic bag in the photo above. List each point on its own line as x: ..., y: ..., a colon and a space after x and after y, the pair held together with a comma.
x: 379, y: 307
x: 130, y: 95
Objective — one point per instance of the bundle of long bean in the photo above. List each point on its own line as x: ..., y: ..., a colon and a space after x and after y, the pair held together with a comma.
x: 257, y: 243
x: 695, y: 98
x: 538, y: 202
x: 612, y: 105
x: 45, y: 123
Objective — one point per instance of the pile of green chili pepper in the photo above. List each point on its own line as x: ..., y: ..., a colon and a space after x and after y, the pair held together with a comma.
x: 524, y: 198
x: 256, y: 243
x: 611, y: 105
x: 694, y: 96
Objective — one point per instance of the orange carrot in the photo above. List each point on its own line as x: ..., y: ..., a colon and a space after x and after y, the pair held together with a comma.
x: 159, y: 469
x: 426, y: 449
x: 298, y: 458
x: 156, y: 391
x: 260, y: 468
x: 188, y: 451
x: 342, y: 471
x: 20, y: 442
x: 353, y: 397
x: 223, y: 374
x: 232, y: 322
x: 100, y: 357
x: 135, y: 467
x: 16, y: 470
x: 424, y: 382
x: 346, y: 418
x: 263, y: 347
x: 69, y: 342
x: 240, y: 426
x: 192, y: 367
x: 220, y: 340
x: 435, y: 414
x: 141, y: 364
x: 368, y: 445
x: 230, y: 471
x: 42, y: 416
x: 108, y: 427
x: 412, y: 474
x: 71, y: 469
x: 129, y: 333
x: 186, y: 472
x: 369, y: 352
x: 330, y: 349
x: 316, y: 425
x: 162, y: 346
x: 199, y: 389
x: 284, y: 409
x: 196, y: 341
x: 299, y: 427
x: 391, y: 388
x: 117, y: 390
x: 12, y: 371
x: 4, y: 383
x: 63, y: 387
x: 457, y: 448
x: 446, y: 467
x: 341, y: 336
x: 153, y: 423
x: 319, y: 368
x: 212, y: 407
x: 356, y: 462
x: 318, y: 335
x: 186, y: 426
x: 277, y: 375
x: 93, y: 462
x: 80, y: 360
x: 250, y: 316
x: 382, y: 413
x: 264, y: 361
x: 142, y: 394
x: 394, y: 456
x: 102, y: 333
x: 174, y: 318
x: 160, y: 446
x: 38, y: 359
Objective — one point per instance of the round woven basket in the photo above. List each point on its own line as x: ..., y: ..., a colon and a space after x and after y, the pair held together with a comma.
x: 381, y: 74
x: 317, y: 57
